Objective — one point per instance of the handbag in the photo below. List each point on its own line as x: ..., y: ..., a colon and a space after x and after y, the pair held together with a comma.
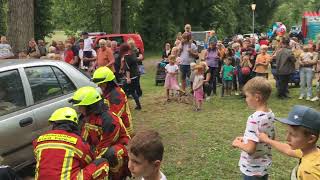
x: 245, y: 70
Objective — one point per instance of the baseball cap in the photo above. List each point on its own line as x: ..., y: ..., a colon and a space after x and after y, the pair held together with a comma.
x: 303, y: 116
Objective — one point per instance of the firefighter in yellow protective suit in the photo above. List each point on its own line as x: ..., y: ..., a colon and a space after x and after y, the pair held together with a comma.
x: 114, y: 96
x: 62, y: 154
x: 103, y: 130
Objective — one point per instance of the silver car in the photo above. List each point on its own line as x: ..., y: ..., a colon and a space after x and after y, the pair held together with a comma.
x: 30, y: 90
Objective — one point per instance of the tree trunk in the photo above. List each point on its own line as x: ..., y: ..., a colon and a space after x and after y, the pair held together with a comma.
x: 116, y: 16
x: 124, y: 16
x: 20, y: 24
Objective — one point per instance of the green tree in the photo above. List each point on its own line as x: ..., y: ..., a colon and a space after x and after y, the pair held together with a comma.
x: 157, y: 26
x: 130, y: 10
x: 93, y: 15
x: 43, y: 25
x: 3, y: 16
x: 290, y: 13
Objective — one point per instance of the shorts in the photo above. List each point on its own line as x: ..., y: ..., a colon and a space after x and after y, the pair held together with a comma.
x: 185, y: 71
x: 245, y: 177
x: 227, y: 84
x: 87, y: 54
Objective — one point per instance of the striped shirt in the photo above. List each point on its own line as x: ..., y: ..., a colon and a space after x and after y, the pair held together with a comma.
x: 257, y: 163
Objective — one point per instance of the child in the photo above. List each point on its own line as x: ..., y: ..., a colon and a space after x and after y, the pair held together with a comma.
x: 187, y: 28
x: 206, y: 76
x: 171, y: 82
x: 68, y: 54
x: 303, y: 133
x: 88, y: 43
x: 145, y: 152
x: 23, y: 55
x: 198, y: 86
x: 52, y: 53
x: 226, y: 74
x: 245, y: 71
x: 211, y: 38
x: 262, y: 62
x: 175, y: 52
x: 5, y: 49
x: 255, y: 157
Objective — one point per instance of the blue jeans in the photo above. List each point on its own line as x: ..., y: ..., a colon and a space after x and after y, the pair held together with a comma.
x: 275, y: 76
x: 306, y: 76
x: 245, y: 177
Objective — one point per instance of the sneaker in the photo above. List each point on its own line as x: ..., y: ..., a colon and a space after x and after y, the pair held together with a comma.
x: 236, y: 93
x: 208, y: 98
x: 301, y: 97
x: 315, y: 99
x: 308, y: 98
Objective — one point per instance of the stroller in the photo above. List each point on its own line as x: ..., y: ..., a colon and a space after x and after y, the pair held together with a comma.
x: 161, y: 72
x: 295, y: 78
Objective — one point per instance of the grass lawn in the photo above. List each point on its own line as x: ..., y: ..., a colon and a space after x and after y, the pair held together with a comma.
x: 198, y: 144
x: 57, y: 36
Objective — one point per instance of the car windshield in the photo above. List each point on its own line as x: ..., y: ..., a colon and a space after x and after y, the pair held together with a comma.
x: 199, y: 36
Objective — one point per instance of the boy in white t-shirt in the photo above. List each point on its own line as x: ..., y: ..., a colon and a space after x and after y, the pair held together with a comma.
x: 88, y: 43
x: 255, y: 157
x: 145, y: 152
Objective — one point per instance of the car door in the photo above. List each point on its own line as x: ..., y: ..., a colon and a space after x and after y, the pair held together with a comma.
x: 17, y: 122
x: 51, y: 89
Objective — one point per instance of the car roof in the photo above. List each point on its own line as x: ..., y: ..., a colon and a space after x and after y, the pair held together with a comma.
x: 200, y: 31
x: 14, y: 62
x: 111, y: 35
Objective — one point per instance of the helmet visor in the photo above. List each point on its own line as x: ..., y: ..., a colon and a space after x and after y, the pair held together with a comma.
x: 97, y: 80
x: 74, y: 102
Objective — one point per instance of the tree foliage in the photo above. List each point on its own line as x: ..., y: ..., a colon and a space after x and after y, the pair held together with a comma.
x: 226, y: 17
x: 92, y: 15
x: 130, y: 15
x: 159, y: 21
x: 290, y: 12
x: 3, y: 16
x: 43, y: 25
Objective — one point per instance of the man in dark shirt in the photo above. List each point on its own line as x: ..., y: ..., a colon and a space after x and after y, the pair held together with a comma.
x: 117, y: 60
x: 130, y: 66
x: 285, y: 64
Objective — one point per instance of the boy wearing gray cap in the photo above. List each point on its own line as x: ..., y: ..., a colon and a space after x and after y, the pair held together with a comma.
x: 303, y: 132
